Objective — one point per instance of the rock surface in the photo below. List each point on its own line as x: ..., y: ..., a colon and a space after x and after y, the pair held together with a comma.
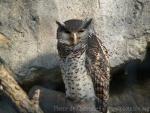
x: 122, y: 25
x: 135, y: 99
x: 55, y: 102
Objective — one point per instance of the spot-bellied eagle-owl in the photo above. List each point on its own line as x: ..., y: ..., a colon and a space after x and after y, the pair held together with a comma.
x: 83, y: 62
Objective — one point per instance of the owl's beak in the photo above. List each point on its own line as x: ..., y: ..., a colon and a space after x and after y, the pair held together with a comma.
x: 74, y: 38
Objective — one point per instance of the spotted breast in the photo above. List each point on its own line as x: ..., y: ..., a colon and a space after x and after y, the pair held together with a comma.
x: 78, y: 83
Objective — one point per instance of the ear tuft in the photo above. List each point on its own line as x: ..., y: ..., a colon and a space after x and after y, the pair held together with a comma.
x: 87, y: 22
x: 59, y: 24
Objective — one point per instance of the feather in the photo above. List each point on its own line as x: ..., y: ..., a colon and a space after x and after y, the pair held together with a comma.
x: 98, y: 68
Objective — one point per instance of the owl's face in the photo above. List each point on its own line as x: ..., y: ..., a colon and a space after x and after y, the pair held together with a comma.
x: 73, y: 32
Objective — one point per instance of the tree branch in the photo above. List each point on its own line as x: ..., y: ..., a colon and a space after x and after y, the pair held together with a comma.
x: 11, y: 88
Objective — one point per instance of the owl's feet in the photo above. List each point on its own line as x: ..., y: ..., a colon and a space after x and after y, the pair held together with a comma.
x: 81, y: 100
x: 74, y: 100
x: 70, y: 98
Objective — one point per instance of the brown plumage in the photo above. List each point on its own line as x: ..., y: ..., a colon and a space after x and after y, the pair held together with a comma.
x: 98, y: 67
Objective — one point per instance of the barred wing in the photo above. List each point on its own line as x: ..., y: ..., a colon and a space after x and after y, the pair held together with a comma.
x: 98, y: 68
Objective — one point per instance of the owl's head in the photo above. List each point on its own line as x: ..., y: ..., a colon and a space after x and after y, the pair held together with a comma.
x: 73, y: 32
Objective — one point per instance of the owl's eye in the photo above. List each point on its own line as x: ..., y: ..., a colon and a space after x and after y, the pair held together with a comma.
x: 81, y: 30
x: 66, y: 31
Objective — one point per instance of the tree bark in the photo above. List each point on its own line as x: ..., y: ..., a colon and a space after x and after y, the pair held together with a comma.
x: 19, y: 97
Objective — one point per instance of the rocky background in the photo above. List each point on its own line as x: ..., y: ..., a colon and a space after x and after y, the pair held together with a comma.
x: 122, y: 25
x: 28, y: 39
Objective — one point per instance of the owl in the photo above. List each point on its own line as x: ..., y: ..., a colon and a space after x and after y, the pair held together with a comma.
x: 83, y: 62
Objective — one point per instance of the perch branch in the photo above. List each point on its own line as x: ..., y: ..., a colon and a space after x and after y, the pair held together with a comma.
x: 11, y: 88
